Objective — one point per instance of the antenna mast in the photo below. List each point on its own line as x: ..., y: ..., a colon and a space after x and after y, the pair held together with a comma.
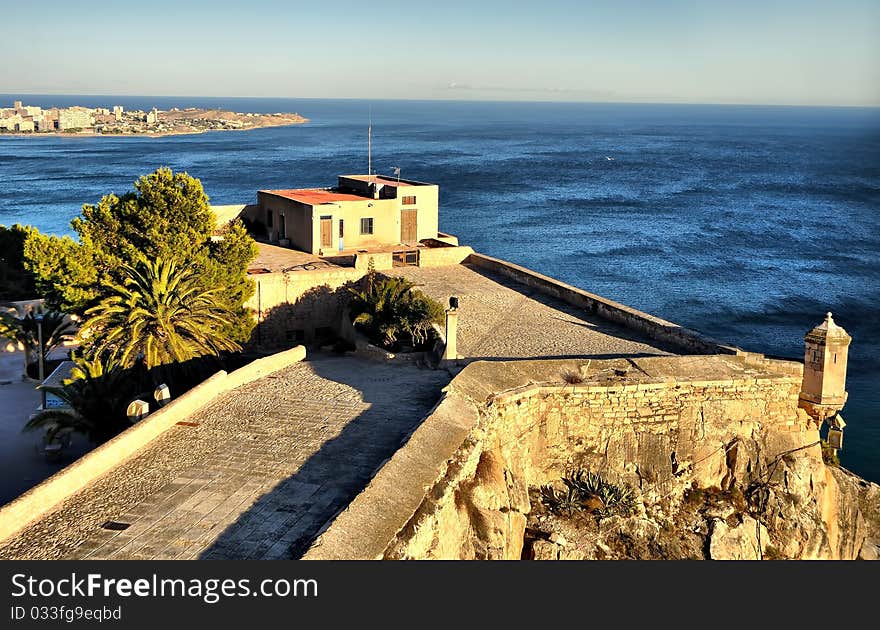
x: 370, y: 147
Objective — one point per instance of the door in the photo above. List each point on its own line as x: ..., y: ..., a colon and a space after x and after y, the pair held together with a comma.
x: 341, y: 235
x: 326, y: 231
x: 409, y: 227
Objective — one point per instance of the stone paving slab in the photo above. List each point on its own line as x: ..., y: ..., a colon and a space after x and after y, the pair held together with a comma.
x: 269, y: 464
x: 503, y: 319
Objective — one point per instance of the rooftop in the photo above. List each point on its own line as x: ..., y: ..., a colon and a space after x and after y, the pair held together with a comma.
x: 315, y: 196
x: 274, y: 259
x: 384, y: 180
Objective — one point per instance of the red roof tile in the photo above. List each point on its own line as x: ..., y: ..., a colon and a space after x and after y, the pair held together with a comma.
x: 315, y: 196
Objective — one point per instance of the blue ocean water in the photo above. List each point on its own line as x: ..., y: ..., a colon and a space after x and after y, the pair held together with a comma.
x: 747, y: 223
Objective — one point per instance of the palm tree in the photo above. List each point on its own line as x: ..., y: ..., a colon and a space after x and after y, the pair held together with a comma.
x: 159, y: 315
x: 25, y: 329
x: 390, y: 308
x: 96, y: 397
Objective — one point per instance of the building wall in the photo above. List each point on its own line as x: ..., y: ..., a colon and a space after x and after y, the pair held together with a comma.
x: 386, y: 223
x: 226, y: 213
x: 294, y: 307
x: 427, y: 203
x: 296, y: 224
x: 74, y: 118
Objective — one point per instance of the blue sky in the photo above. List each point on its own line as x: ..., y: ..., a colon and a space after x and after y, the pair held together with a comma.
x: 771, y: 52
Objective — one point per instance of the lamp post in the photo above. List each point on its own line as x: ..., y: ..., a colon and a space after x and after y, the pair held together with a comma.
x: 450, y: 352
x: 39, y: 319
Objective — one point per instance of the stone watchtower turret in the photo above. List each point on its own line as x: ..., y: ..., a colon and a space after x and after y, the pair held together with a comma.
x: 823, y: 392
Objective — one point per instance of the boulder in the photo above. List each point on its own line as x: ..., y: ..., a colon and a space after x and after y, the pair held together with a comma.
x: 740, y: 542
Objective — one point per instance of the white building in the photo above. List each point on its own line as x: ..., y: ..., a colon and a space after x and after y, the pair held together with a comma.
x: 75, y: 118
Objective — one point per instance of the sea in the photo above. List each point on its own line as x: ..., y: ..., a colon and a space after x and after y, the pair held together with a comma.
x: 746, y: 223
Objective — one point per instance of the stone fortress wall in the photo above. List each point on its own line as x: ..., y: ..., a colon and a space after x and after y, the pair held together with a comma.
x: 296, y: 306
x: 304, y: 305
x: 634, y: 319
x: 459, y: 488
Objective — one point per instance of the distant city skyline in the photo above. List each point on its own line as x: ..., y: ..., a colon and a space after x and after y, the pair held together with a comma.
x: 776, y: 52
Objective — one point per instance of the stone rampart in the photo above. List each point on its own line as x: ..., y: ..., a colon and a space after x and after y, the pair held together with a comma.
x: 298, y: 306
x: 459, y: 487
x: 654, y: 327
x: 442, y: 256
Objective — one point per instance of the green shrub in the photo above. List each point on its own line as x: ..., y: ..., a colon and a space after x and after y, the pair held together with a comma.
x: 829, y: 455
x: 390, y: 311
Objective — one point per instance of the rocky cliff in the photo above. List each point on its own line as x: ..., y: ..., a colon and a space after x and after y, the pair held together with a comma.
x: 712, y: 454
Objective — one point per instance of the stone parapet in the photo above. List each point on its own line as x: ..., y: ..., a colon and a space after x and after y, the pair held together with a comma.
x: 656, y: 423
x: 654, y: 327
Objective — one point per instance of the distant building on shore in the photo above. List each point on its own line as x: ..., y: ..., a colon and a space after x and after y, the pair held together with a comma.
x: 75, y: 118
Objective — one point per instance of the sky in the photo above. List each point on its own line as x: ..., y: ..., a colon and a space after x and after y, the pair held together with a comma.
x: 778, y: 52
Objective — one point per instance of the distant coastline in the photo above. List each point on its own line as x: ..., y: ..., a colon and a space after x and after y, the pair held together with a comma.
x: 77, y: 121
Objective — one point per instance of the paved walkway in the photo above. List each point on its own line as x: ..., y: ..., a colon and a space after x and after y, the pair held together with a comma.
x: 23, y: 463
x: 502, y: 319
x: 269, y: 464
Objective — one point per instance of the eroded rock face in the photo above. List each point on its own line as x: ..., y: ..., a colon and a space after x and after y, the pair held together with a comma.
x: 728, y: 468
x: 496, y: 509
x: 745, y: 541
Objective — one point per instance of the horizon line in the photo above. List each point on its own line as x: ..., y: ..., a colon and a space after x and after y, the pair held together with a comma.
x: 452, y: 100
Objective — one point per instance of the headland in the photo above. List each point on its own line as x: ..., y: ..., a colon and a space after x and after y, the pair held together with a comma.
x: 116, y: 121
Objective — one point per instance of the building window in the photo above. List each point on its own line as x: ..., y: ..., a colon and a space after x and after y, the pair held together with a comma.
x: 269, y: 220
x: 366, y: 226
x: 409, y: 201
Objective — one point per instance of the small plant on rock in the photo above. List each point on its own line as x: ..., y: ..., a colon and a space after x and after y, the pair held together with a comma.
x: 589, y: 492
x: 572, y: 378
x: 560, y: 501
x: 829, y: 455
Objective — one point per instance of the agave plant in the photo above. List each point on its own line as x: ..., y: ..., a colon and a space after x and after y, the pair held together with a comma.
x: 559, y: 501
x: 617, y: 500
x: 588, y: 491
x: 586, y: 483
